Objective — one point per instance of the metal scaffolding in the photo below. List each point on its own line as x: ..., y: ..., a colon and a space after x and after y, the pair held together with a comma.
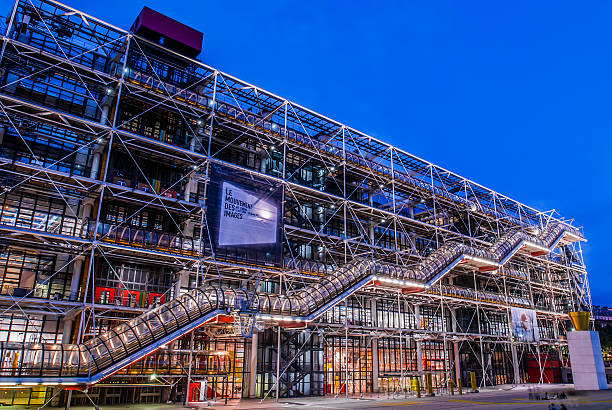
x: 390, y: 266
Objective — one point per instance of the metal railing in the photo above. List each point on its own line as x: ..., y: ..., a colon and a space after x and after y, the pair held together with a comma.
x: 119, y: 347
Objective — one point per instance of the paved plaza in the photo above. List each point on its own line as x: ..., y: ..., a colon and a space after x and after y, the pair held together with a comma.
x: 503, y: 397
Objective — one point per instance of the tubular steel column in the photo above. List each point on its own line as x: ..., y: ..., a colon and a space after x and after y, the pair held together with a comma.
x: 75, y: 280
x: 396, y: 251
x: 346, y: 360
x: 456, y: 357
x: 11, y: 20
x: 515, y: 364
x: 482, y: 361
x: 375, y: 364
x: 278, y: 359
x: 253, y: 365
x: 344, y: 196
x: 445, y: 343
x: 419, y: 348
x: 401, y: 350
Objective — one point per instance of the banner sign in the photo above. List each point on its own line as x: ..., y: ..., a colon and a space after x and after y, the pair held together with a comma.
x: 524, y: 324
x: 244, y: 216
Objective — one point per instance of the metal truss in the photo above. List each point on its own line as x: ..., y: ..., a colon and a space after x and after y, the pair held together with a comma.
x: 107, y: 146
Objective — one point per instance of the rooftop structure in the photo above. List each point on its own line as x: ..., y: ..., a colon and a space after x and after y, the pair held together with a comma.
x: 155, y: 209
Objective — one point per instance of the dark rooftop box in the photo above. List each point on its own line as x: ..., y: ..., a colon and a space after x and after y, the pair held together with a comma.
x: 162, y: 29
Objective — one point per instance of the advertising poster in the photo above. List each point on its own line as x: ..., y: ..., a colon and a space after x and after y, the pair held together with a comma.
x: 244, y: 216
x: 524, y: 324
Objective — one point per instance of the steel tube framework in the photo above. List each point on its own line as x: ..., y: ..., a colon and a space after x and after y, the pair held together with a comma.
x: 107, y: 145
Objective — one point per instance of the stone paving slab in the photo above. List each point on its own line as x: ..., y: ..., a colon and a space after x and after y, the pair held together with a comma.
x: 497, y: 398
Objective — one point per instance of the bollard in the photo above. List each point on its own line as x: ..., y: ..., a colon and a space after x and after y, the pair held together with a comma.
x: 428, y: 380
x: 459, y: 387
x: 473, y: 382
x: 416, y: 386
x: 451, y: 386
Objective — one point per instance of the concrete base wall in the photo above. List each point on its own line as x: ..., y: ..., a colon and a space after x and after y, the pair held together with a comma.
x: 587, y: 362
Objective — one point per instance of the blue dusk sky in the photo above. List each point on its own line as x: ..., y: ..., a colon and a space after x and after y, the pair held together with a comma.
x: 515, y: 96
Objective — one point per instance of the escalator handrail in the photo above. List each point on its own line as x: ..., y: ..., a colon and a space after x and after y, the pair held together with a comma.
x: 324, y: 293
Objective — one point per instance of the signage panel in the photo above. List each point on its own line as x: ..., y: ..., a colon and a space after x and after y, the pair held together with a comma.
x: 524, y: 324
x: 244, y: 216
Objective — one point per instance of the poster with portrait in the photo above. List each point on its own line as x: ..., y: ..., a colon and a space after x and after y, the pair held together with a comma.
x: 524, y: 324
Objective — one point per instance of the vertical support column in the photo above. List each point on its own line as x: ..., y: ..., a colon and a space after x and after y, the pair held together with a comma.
x: 85, y: 213
x: 181, y: 282
x: 253, y: 365
x: 397, y: 260
x: 456, y: 348
x: 445, y: 346
x: 344, y: 196
x: 482, y: 362
x: 2, y: 133
x: 190, y: 186
x: 192, y: 181
x: 372, y: 223
x: 67, y: 332
x: 213, y: 108
x: 100, y: 144
x: 75, y: 281
x: 399, y: 313
x: 196, y: 139
x: 346, y: 352
x: 188, y: 228
x: 457, y: 363
x: 375, y: 365
x: 9, y: 26
x: 106, y: 104
x: 263, y: 154
x: 373, y: 312
x: 278, y: 359
x: 401, y: 341
x: 488, y: 361
x: 482, y: 359
x: 515, y: 363
x: 433, y: 201
x: 374, y: 346
x: 419, y: 347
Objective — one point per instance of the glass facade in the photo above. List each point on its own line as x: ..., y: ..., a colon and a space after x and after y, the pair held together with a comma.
x: 385, y: 268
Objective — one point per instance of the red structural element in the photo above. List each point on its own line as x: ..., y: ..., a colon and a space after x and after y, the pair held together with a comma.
x: 76, y: 388
x: 220, y: 319
x: 373, y: 283
x: 161, y: 298
x: 142, y: 299
x: 194, y: 391
x: 329, y: 388
x: 293, y: 325
x: 111, y: 294
x: 412, y: 289
x: 551, y: 368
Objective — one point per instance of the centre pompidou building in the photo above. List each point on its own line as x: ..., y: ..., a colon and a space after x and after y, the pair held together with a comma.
x: 170, y: 232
